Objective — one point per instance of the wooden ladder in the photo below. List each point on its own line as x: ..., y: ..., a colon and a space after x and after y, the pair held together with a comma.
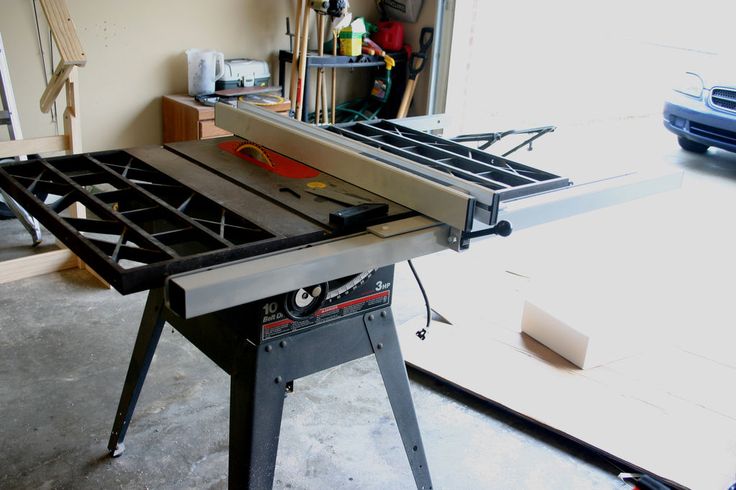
x: 65, y: 77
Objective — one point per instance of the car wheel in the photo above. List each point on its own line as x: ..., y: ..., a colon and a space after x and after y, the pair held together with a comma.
x: 692, y: 146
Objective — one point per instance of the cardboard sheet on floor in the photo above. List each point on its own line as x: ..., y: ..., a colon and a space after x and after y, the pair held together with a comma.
x: 668, y: 407
x: 669, y: 413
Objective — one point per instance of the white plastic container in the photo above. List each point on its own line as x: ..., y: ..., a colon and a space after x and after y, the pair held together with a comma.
x: 205, y: 66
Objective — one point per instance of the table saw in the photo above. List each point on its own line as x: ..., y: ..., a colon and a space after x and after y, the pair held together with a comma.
x: 273, y: 251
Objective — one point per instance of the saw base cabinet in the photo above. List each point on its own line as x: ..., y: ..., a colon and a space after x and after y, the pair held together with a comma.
x: 185, y: 119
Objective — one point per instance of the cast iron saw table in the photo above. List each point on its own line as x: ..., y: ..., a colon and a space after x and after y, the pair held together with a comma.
x: 276, y: 258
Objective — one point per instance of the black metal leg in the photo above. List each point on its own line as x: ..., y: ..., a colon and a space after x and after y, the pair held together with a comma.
x: 305, y: 96
x: 382, y: 333
x: 282, y: 76
x: 256, y: 406
x: 260, y: 376
x: 149, y: 333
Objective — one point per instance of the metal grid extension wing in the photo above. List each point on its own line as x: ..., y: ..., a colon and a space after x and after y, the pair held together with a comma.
x: 504, y: 178
x: 141, y: 224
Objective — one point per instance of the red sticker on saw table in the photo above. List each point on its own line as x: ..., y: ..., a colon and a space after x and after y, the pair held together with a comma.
x: 270, y: 160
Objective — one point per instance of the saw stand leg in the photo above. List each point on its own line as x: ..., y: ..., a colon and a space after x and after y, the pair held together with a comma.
x: 149, y: 333
x: 261, y: 374
x: 256, y: 405
x: 258, y: 388
x: 385, y: 344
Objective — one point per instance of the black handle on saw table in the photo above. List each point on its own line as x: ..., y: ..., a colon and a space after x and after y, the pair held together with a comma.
x: 425, y: 42
x: 502, y: 228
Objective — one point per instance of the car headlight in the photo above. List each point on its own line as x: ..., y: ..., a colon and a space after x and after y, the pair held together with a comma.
x: 690, y: 84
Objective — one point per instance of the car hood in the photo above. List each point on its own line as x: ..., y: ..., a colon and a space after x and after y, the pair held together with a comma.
x: 716, y: 72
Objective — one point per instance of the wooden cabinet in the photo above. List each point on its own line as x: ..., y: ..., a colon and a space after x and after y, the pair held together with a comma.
x: 186, y: 119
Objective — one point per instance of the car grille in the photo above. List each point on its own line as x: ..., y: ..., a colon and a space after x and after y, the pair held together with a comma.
x: 723, y: 98
x: 712, y: 133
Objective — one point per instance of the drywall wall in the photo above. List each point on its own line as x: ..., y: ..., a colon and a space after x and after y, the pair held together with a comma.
x: 135, y: 55
x: 135, y: 52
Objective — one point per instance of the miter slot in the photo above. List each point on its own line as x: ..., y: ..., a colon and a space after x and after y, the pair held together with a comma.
x: 289, y: 191
x: 341, y: 197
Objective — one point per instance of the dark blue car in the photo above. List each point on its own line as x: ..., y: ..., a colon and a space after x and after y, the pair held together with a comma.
x: 702, y: 114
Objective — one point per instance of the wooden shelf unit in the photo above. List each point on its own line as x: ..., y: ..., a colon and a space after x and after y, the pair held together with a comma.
x: 185, y: 119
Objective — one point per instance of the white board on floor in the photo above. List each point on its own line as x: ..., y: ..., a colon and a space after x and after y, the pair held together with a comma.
x: 669, y: 412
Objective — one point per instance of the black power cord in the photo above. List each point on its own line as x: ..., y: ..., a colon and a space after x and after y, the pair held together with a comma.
x: 422, y: 334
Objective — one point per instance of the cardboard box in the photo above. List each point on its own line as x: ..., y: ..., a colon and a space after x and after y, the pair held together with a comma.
x: 588, y: 328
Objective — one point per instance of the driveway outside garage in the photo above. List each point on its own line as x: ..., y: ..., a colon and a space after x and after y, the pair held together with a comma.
x: 661, y: 267
x: 601, y: 76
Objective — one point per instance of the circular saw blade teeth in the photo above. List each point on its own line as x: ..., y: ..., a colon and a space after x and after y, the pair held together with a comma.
x: 255, y: 152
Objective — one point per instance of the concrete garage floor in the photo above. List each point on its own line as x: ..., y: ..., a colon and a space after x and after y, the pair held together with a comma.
x: 64, y: 350
x: 65, y: 346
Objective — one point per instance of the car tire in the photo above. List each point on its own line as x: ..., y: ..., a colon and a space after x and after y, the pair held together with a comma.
x: 692, y: 146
